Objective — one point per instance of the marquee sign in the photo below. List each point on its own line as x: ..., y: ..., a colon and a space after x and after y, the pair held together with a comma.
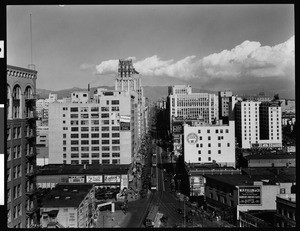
x: 93, y: 179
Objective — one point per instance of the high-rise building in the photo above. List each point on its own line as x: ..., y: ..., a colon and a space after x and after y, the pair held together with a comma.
x: 258, y: 124
x: 270, y: 124
x: 128, y: 79
x: 225, y: 99
x: 187, y: 105
x: 247, y: 123
x: 21, y: 149
x: 100, y: 130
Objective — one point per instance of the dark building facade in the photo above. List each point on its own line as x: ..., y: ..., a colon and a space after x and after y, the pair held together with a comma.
x: 21, y: 149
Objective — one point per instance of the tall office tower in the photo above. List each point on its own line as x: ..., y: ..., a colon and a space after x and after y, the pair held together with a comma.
x: 21, y: 149
x: 247, y: 123
x: 129, y: 80
x: 98, y: 130
x: 225, y: 99
x: 270, y: 124
x: 187, y: 105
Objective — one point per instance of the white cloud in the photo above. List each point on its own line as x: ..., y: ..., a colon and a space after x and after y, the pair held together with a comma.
x: 246, y: 59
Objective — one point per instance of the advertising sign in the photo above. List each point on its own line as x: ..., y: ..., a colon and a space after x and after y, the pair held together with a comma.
x: 76, y: 179
x: 124, y: 181
x: 124, y: 123
x: 192, y: 138
x: 94, y: 179
x: 249, y: 195
x: 177, y: 128
x: 112, y: 178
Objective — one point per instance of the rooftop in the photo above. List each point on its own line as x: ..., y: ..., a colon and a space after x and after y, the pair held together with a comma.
x: 66, y: 195
x: 236, y: 180
x: 270, y: 156
x: 64, y: 169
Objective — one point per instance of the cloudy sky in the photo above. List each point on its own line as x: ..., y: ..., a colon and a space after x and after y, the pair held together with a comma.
x: 213, y: 47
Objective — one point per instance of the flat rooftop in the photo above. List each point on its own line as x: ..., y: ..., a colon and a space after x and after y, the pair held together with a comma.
x: 66, y: 195
x: 271, y: 156
x: 236, y: 180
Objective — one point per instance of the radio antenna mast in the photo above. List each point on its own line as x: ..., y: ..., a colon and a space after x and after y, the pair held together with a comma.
x: 31, y: 65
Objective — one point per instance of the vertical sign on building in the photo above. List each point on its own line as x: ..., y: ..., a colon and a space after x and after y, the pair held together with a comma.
x: 2, y: 140
x: 125, y: 123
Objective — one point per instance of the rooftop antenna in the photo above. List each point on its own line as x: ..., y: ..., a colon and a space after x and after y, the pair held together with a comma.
x: 31, y: 65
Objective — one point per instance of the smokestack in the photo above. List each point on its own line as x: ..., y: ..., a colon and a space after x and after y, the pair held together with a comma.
x: 88, y: 87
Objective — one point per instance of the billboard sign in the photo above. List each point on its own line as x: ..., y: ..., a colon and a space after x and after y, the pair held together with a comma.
x: 124, y: 123
x: 249, y: 195
x: 94, y: 179
x: 76, y: 179
x: 112, y: 178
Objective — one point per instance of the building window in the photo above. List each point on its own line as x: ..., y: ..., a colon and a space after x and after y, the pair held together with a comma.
x: 84, y: 129
x: 197, y: 145
x: 95, y: 161
x: 64, y: 135
x: 209, y: 145
x: 115, y: 102
x: 219, y: 151
x: 85, y: 155
x: 95, y: 141
x: 227, y: 131
x: 64, y: 142
x: 199, y: 131
x: 219, y: 144
x: 199, y: 151
x: 74, y: 155
x: 209, y: 151
x: 84, y: 142
x: 209, y: 137
x: 74, y: 109
x: 85, y: 162
x: 208, y: 131
x: 114, y: 128
x: 104, y: 135
x: 104, y: 141
x: 115, y: 148
x: 209, y: 158
x: 115, y: 134
x: 217, y: 131
x: 74, y: 135
x: 85, y: 149
x: 115, y: 154
x: 105, y: 161
x: 115, y: 141
x: 76, y: 149
x: 105, y: 148
x: 85, y: 135
x: 95, y: 155
x: 199, y: 158
x: 74, y: 129
x: 228, y: 144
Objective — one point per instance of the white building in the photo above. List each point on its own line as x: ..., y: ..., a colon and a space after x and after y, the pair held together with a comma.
x: 210, y: 143
x: 247, y: 123
x: 187, y: 105
x: 100, y: 131
x: 258, y: 124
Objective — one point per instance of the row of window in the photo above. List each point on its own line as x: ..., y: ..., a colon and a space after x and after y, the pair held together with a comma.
x: 95, y: 109
x: 94, y: 155
x: 209, y: 145
x: 216, y: 131
x: 76, y: 142
x: 209, y: 151
x: 114, y: 161
x: 103, y: 148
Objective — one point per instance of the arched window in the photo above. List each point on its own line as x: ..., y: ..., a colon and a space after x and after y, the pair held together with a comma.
x: 17, y: 92
x: 28, y: 93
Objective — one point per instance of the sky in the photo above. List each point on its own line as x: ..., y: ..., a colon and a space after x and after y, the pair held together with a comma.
x: 214, y: 47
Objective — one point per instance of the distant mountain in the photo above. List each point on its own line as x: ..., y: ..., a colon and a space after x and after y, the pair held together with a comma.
x: 153, y: 93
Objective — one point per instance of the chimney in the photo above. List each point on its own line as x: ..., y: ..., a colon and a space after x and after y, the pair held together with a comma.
x: 88, y: 87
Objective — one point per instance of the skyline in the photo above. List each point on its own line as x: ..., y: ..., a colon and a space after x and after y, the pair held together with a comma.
x: 213, y: 47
